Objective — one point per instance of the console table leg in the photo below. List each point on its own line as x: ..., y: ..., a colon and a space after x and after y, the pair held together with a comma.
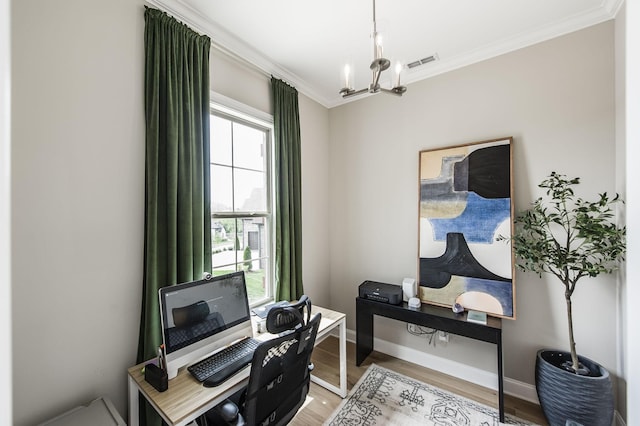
x: 364, y: 333
x: 500, y: 381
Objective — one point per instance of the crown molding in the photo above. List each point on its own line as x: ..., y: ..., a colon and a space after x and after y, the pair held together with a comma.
x: 229, y: 44
x: 605, y: 12
x: 612, y: 6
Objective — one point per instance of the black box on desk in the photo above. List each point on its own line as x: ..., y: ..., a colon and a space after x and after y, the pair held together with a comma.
x: 156, y: 376
x: 381, y: 292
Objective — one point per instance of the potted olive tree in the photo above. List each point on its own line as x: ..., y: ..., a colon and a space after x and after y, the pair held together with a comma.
x: 571, y: 239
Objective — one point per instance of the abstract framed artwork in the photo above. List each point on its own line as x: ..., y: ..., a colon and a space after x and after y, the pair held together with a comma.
x: 465, y: 204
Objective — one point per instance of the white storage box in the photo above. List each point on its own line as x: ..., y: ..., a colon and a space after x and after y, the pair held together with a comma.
x: 100, y: 412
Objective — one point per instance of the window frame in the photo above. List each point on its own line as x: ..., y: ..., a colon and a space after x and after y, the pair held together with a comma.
x: 237, y: 112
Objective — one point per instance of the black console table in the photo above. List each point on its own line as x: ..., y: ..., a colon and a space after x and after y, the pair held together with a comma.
x: 429, y: 316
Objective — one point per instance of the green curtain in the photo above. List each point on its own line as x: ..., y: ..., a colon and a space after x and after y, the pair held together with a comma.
x: 177, y: 245
x: 288, y: 204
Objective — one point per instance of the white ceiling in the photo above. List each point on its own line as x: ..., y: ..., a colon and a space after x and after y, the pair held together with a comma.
x: 307, y: 43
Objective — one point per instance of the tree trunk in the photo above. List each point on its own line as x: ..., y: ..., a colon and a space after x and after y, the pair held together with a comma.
x: 572, y: 342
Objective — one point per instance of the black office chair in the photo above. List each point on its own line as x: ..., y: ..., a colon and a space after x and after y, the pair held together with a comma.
x: 280, y: 371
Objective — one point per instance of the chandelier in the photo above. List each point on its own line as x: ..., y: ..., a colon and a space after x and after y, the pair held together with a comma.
x: 378, y: 65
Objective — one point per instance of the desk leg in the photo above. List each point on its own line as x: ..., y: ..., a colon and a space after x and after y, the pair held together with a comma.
x: 500, y: 382
x: 343, y: 358
x: 364, y: 333
x: 340, y: 390
x: 133, y: 403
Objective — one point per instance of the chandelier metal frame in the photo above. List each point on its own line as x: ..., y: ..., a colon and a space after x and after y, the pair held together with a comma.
x: 378, y: 65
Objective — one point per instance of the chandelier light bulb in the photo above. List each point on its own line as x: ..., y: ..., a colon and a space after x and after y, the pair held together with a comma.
x: 398, y: 70
x: 377, y: 37
x: 347, y: 76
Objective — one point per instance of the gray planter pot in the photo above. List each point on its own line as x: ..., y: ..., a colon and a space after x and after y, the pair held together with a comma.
x: 566, y: 396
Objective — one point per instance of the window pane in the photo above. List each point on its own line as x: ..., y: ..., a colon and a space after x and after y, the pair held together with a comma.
x: 221, y: 189
x: 254, y: 260
x: 242, y: 244
x: 254, y: 237
x: 239, y: 185
x: 221, y: 141
x: 250, y: 191
x: 255, y: 285
x: 223, y: 234
x: 248, y: 147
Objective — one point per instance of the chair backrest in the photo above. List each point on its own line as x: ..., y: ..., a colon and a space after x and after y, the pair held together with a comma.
x: 289, y: 317
x: 280, y: 370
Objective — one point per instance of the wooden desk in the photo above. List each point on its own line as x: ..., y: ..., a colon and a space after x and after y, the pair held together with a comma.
x: 429, y: 316
x: 186, y: 399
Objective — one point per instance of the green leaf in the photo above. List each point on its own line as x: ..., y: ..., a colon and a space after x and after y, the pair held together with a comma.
x: 568, y: 237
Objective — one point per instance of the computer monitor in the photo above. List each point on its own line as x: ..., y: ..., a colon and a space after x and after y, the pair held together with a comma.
x: 200, y: 317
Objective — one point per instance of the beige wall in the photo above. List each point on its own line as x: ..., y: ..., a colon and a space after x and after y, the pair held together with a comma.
x: 316, y: 199
x: 238, y: 81
x: 77, y: 202
x: 78, y: 197
x: 557, y: 100
x: 5, y: 210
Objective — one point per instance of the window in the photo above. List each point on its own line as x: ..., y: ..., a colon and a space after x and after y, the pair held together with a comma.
x: 241, y: 208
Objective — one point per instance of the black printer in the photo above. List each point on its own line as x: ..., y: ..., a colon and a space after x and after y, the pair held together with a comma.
x: 381, y: 292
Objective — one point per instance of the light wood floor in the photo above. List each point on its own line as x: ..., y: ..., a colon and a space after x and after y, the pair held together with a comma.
x: 321, y: 402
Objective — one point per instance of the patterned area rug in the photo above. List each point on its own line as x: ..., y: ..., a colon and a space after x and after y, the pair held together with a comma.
x: 382, y: 397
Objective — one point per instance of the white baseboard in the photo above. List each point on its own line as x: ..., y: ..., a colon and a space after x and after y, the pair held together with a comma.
x: 521, y: 390
x: 461, y: 371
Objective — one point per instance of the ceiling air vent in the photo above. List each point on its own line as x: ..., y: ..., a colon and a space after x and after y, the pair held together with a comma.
x: 422, y: 61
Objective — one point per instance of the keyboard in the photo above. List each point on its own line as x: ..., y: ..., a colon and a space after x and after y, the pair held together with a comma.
x: 220, y: 366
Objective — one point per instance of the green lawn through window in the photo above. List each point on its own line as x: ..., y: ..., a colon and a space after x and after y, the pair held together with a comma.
x: 254, y: 280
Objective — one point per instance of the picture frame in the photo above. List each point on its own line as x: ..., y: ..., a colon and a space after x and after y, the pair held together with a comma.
x: 465, y: 203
